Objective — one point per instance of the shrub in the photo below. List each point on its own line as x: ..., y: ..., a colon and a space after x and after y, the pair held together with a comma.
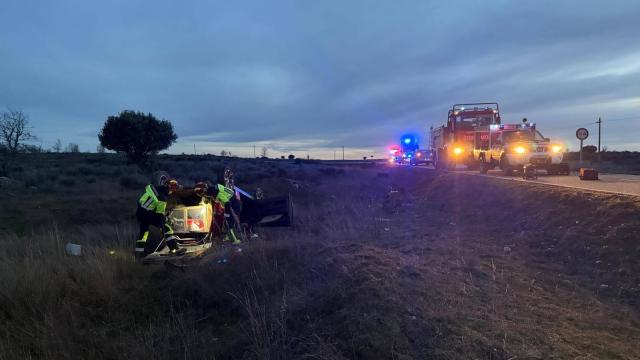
x: 85, y: 170
x: 132, y: 182
x: 67, y: 181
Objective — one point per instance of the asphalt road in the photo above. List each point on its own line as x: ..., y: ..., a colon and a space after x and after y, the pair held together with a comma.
x: 611, y: 183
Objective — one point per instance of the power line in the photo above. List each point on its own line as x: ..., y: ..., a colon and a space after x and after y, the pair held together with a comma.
x: 624, y: 118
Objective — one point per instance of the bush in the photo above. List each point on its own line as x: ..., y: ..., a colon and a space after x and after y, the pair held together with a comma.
x: 85, y: 170
x: 132, y: 182
x: 67, y: 181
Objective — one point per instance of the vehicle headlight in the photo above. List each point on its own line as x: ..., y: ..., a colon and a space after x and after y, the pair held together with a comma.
x: 457, y: 150
x: 520, y: 150
x: 556, y: 148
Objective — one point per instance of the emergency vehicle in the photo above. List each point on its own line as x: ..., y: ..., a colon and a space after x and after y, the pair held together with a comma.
x: 453, y: 143
x: 512, y: 146
x: 408, y: 151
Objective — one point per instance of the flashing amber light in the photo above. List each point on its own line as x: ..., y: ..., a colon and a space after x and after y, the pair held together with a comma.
x: 457, y: 150
x: 556, y: 148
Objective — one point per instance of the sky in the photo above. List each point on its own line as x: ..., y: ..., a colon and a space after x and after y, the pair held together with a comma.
x: 309, y: 77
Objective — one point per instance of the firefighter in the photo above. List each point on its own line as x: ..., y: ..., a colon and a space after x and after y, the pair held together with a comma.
x: 226, y: 206
x: 152, y: 210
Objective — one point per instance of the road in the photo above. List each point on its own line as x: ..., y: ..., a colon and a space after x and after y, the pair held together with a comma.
x: 610, y: 183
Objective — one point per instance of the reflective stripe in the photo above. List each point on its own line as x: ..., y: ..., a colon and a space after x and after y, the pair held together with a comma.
x: 145, y: 236
x: 147, y: 205
x: 139, y: 249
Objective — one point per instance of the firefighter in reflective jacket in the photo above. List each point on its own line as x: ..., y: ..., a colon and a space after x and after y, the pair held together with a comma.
x: 226, y: 206
x: 153, y: 210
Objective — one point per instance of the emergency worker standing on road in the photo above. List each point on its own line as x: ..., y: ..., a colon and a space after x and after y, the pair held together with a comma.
x: 153, y: 210
x: 226, y: 205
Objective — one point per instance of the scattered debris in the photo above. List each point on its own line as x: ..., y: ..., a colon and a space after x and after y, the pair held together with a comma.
x: 73, y: 249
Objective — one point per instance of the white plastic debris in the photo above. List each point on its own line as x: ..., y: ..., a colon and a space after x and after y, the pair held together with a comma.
x: 73, y: 249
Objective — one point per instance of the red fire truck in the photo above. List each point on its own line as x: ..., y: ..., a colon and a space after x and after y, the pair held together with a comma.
x: 453, y: 143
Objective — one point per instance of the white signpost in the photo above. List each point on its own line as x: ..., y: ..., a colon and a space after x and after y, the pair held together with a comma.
x: 582, y: 134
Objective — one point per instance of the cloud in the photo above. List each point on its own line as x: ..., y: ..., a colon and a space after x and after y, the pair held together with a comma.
x: 316, y: 74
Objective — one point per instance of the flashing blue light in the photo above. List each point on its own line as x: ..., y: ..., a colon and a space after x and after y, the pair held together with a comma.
x: 407, y: 140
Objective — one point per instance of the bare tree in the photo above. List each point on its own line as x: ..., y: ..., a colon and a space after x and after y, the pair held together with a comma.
x: 100, y: 149
x: 223, y: 153
x: 264, y: 152
x: 57, y: 147
x: 14, y: 129
x: 72, y: 148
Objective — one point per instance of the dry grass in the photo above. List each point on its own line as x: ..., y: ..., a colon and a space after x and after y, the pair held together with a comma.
x: 414, y: 274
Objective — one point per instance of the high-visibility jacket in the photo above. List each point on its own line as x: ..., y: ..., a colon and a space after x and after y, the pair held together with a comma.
x: 224, y: 194
x: 152, y: 201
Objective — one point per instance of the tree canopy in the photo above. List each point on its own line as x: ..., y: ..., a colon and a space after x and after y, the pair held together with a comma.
x: 136, y: 134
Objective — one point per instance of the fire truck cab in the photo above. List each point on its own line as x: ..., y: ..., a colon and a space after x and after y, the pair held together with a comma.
x: 453, y: 143
x: 512, y: 146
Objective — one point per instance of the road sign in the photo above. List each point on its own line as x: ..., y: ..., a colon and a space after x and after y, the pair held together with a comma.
x: 582, y: 134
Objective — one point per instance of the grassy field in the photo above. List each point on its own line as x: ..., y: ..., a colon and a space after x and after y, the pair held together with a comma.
x: 382, y: 263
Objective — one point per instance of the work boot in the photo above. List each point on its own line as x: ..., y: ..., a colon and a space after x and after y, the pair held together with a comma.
x: 233, y: 238
x: 139, y: 250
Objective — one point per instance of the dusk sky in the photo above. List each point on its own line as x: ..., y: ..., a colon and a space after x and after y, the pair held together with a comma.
x: 311, y: 76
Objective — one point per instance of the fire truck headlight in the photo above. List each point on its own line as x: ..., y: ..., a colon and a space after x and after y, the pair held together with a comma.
x: 520, y: 150
x: 556, y: 148
x: 457, y: 150
x: 418, y: 154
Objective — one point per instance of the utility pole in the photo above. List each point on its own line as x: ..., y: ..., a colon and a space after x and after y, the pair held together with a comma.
x: 599, y: 131
x: 254, y: 151
x: 194, y: 150
x: 342, y: 152
x: 334, y: 154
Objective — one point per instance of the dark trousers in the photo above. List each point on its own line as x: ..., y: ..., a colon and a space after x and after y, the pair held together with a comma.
x: 148, y: 218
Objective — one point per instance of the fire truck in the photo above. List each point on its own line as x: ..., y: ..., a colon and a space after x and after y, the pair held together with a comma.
x: 454, y: 143
x: 512, y: 146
